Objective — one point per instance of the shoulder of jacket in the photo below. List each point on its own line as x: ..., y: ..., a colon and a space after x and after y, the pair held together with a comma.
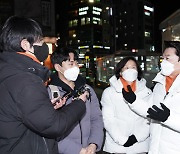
x: 108, y: 91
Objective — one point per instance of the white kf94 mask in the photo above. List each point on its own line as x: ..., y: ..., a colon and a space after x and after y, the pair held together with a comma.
x: 130, y: 75
x: 166, y: 68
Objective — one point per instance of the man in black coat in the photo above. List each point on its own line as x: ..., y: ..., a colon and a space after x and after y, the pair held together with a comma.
x: 29, y: 124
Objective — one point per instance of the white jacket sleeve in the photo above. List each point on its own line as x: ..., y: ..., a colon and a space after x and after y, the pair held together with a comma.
x: 141, y: 107
x: 113, y: 126
x: 173, y: 121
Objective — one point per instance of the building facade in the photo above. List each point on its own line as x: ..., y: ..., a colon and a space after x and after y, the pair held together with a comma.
x: 86, y: 25
x: 134, y: 25
x: 170, y: 27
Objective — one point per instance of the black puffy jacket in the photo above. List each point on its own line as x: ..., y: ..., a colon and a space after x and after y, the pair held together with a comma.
x: 28, y: 122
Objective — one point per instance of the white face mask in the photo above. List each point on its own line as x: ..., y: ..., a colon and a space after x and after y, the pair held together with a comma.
x: 71, y: 74
x: 166, y: 68
x: 130, y: 75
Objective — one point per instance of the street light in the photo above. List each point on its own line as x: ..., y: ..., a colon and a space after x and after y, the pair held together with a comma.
x: 91, y: 1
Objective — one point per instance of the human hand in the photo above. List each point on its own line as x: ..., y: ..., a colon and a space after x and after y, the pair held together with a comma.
x: 91, y: 149
x: 58, y: 102
x: 130, y: 95
x: 83, y: 151
x: 131, y: 140
x: 158, y: 114
x: 84, y: 96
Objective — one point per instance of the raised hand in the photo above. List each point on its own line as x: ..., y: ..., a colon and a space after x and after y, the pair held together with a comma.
x: 158, y: 114
x: 91, y: 149
x: 130, y: 95
x: 58, y: 102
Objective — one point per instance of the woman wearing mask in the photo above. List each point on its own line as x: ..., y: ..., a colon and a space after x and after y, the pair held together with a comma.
x: 165, y: 112
x: 126, y: 131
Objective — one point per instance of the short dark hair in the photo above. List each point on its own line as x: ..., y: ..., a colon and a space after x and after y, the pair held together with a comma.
x: 172, y: 44
x: 62, y: 54
x: 123, y: 62
x: 15, y: 30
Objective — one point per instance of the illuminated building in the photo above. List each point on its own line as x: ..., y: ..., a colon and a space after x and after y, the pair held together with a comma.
x: 170, y: 27
x: 88, y: 29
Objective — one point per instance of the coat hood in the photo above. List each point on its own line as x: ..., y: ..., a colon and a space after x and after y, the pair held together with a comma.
x: 117, y: 85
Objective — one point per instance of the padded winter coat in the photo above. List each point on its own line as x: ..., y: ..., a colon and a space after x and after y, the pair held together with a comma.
x: 164, y: 136
x: 28, y: 122
x: 89, y: 129
x: 121, y: 122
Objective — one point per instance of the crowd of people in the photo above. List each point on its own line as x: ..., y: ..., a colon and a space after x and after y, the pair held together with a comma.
x: 45, y: 112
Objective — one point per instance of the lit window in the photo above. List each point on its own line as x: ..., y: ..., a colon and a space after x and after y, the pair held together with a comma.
x: 88, y: 20
x: 74, y: 22
x: 147, y: 34
x: 147, y: 13
x: 91, y: 1
x: 83, y: 21
x: 70, y: 23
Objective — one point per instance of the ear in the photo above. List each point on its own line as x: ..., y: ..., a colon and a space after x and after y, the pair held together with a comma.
x: 57, y: 67
x: 25, y: 45
x: 120, y: 73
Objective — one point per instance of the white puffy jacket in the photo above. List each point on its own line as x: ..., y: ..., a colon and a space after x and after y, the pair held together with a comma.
x: 120, y: 121
x: 164, y: 137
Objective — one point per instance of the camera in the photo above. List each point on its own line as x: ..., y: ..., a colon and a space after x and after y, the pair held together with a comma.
x: 81, y: 91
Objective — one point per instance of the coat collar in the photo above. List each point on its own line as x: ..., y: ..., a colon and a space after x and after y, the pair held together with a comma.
x: 55, y: 80
x: 162, y: 80
x: 22, y: 63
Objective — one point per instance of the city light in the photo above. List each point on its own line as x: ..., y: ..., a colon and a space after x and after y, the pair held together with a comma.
x: 148, y: 8
x: 91, y: 1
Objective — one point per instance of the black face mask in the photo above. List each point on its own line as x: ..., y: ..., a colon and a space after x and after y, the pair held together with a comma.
x: 41, y: 52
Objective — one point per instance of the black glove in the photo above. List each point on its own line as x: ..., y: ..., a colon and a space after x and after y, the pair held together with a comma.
x: 131, y: 140
x: 130, y: 95
x: 159, y: 114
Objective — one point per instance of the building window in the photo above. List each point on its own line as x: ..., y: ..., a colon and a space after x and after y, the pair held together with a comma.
x: 147, y: 34
x: 70, y: 23
x: 74, y: 22
x: 72, y: 33
x: 70, y: 42
x: 88, y: 20
x: 83, y: 21
x: 97, y: 21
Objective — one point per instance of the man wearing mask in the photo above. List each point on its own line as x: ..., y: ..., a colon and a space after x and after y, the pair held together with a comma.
x: 86, y: 136
x: 165, y: 106
x: 28, y: 122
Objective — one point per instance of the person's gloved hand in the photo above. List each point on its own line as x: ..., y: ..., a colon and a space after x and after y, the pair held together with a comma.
x: 131, y: 140
x: 158, y: 114
x: 130, y: 95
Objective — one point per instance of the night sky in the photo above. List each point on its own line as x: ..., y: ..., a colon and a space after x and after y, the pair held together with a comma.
x: 162, y: 10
